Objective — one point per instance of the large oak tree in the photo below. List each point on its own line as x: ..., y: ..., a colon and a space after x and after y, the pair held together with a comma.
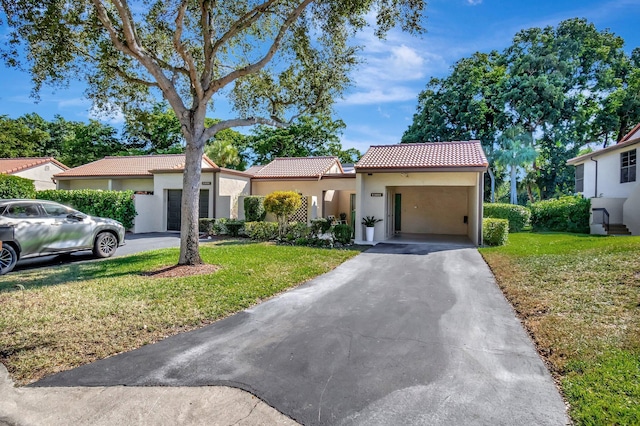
x: 272, y: 60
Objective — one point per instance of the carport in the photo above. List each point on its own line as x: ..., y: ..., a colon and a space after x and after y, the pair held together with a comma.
x: 421, y: 190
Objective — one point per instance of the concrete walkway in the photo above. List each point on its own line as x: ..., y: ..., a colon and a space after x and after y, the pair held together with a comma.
x: 401, y: 334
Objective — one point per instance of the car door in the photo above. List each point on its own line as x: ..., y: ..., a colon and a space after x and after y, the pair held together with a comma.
x: 32, y: 230
x: 73, y: 230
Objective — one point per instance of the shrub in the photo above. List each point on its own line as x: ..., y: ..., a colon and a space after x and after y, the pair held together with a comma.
x: 564, y: 214
x: 234, y: 226
x: 342, y: 233
x: 254, y: 208
x: 16, y: 187
x: 118, y: 205
x: 297, y: 230
x: 220, y: 226
x: 495, y: 232
x: 518, y: 216
x: 261, y: 231
x: 320, y: 226
x: 206, y: 225
x: 282, y: 204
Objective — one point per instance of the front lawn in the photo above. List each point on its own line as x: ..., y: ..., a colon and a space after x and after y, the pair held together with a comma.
x: 58, y: 318
x: 579, y: 297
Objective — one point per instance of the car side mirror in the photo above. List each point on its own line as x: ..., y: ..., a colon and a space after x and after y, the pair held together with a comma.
x: 77, y: 216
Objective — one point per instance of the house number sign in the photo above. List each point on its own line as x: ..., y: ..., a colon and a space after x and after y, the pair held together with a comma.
x: 376, y: 194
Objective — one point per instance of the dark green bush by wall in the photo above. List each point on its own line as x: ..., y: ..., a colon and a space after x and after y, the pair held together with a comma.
x: 118, y: 205
x: 254, y: 208
x: 518, y: 216
x: 564, y: 214
x: 16, y: 187
x: 495, y: 232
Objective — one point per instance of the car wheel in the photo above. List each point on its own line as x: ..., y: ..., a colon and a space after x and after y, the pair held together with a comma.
x: 8, y: 259
x: 105, y: 245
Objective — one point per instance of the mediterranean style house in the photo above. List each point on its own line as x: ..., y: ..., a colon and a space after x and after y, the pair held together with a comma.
x: 608, y: 178
x: 38, y: 169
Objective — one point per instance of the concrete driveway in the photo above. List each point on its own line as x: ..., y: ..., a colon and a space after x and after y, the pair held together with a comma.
x: 401, y: 334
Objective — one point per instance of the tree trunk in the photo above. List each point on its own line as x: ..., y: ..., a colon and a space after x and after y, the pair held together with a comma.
x: 514, y: 191
x: 189, y: 236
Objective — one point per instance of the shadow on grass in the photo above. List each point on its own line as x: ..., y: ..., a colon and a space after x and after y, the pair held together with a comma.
x: 109, y: 268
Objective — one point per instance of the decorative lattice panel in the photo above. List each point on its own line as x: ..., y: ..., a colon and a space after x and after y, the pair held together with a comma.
x: 301, y: 214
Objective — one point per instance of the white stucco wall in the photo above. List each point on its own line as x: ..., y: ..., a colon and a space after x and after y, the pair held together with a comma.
x: 442, y: 202
x: 148, y: 218
x: 41, y: 175
x: 230, y: 188
x: 608, y: 184
x: 631, y: 211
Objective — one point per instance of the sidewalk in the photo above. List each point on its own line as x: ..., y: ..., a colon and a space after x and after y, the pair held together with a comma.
x: 214, y: 405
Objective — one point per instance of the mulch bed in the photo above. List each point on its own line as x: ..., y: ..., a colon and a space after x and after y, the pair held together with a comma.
x: 176, y: 271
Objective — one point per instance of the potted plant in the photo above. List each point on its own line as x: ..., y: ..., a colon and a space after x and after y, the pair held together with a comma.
x: 369, y: 223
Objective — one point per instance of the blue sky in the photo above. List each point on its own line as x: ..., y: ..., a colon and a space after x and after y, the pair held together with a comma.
x: 380, y: 105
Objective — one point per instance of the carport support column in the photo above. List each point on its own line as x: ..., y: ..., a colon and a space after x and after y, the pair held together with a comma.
x: 480, y: 186
x: 360, y: 194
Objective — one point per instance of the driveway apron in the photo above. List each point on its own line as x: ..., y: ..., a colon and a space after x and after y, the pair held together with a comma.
x: 401, y: 334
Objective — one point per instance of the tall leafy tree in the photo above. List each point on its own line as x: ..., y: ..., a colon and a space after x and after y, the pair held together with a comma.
x: 17, y: 139
x: 272, y: 59
x: 306, y: 137
x: 91, y: 142
x: 155, y: 131
x: 515, y: 150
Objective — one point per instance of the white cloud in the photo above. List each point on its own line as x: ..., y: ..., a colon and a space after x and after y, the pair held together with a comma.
x: 110, y: 114
x: 474, y: 2
x: 74, y: 103
x: 380, y: 95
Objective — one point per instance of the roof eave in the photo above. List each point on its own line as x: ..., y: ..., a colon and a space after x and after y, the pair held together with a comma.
x: 482, y: 168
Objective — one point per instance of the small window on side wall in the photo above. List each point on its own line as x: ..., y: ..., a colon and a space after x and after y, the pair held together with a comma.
x: 580, y: 178
x: 628, y: 166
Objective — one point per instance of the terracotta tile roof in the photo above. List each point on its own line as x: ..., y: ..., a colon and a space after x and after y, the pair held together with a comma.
x: 424, y: 155
x: 14, y: 165
x: 135, y: 165
x: 253, y: 170
x: 630, y: 134
x: 298, y: 167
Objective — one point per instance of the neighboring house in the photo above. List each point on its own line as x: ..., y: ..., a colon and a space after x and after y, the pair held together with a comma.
x: 326, y: 189
x: 608, y: 177
x: 424, y: 188
x: 157, y: 183
x: 38, y: 169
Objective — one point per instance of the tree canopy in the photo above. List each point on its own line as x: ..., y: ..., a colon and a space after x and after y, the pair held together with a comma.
x: 567, y: 85
x: 271, y: 60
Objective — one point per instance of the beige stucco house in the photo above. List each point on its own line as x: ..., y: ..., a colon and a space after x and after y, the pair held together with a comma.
x: 38, y: 169
x: 608, y: 177
x: 326, y: 189
x: 157, y: 183
x: 422, y: 189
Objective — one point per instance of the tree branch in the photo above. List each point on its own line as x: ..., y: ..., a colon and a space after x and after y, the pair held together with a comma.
x: 239, y: 122
x: 180, y: 48
x: 257, y: 66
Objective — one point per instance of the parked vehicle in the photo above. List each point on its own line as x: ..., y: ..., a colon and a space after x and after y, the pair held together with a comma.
x: 44, y: 228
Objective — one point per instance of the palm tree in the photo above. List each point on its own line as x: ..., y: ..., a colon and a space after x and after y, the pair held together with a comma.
x: 515, y: 148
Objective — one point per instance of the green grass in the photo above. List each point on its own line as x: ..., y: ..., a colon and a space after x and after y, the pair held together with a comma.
x: 579, y: 296
x: 58, y: 318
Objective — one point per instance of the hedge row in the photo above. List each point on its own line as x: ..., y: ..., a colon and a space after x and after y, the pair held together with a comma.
x: 495, y: 232
x: 118, y: 205
x: 564, y: 214
x: 518, y: 216
x: 254, y: 208
x: 16, y: 187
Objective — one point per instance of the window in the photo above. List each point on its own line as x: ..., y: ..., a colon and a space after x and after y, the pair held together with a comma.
x: 55, y: 210
x: 22, y: 210
x: 628, y: 166
x: 580, y: 178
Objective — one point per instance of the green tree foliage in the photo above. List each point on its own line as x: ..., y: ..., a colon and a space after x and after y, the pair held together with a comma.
x: 306, y: 137
x: 18, y: 139
x: 16, y: 187
x: 156, y: 131
x: 254, y: 208
x: 273, y: 60
x: 564, y: 85
x: 282, y: 204
x: 515, y: 149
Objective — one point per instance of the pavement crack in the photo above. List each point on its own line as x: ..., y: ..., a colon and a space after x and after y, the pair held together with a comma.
x: 322, y: 393
x: 248, y: 415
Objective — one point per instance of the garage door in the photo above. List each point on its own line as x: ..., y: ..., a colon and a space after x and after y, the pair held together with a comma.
x: 430, y: 209
x: 174, y: 202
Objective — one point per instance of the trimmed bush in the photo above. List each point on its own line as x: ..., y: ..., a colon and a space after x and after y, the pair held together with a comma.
x: 261, y: 231
x: 282, y: 204
x: 320, y: 226
x: 118, y: 205
x: 206, y: 225
x: 16, y: 187
x: 342, y: 233
x: 254, y: 208
x: 297, y: 230
x: 564, y: 214
x: 518, y: 216
x: 234, y: 226
x: 495, y: 232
